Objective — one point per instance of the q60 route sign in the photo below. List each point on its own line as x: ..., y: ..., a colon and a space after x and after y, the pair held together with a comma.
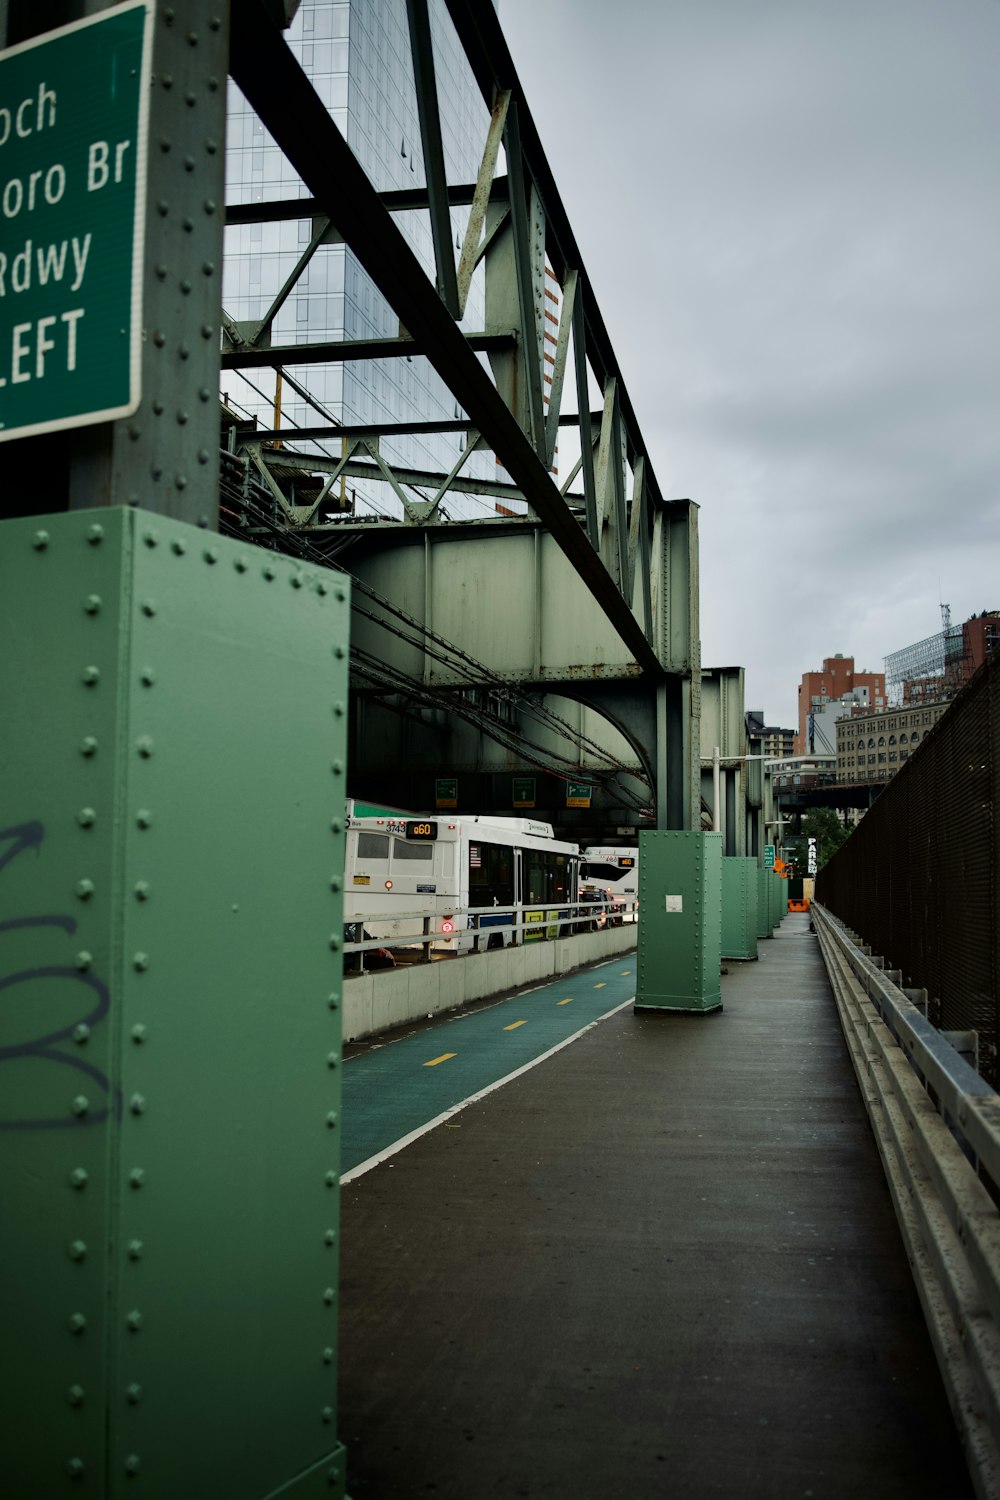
x: 73, y: 112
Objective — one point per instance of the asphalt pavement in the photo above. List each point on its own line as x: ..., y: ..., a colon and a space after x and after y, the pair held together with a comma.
x: 660, y: 1262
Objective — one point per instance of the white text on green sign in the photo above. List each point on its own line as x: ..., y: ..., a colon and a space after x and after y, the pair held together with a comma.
x: 72, y: 178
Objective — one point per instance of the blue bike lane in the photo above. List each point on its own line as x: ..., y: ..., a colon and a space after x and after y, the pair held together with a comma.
x: 397, y: 1090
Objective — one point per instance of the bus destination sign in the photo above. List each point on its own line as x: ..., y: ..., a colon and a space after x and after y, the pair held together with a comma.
x: 73, y: 109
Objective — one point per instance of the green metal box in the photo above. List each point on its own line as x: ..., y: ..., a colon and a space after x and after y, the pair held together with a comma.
x: 739, y: 907
x: 171, y: 862
x: 680, y: 922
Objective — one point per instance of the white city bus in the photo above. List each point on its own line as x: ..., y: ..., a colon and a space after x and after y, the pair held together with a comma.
x: 613, y: 873
x: 399, y: 870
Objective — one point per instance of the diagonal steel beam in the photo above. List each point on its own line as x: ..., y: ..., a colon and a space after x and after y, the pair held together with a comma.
x: 559, y: 368
x: 583, y: 406
x: 471, y: 248
x: 521, y: 221
x: 268, y: 478
x: 251, y: 334
x: 339, y: 467
x: 276, y: 87
x: 433, y: 150
x: 479, y: 32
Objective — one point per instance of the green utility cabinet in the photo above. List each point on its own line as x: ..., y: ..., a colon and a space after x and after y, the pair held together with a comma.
x: 765, y: 910
x: 680, y: 922
x: 171, y: 864
x: 739, y: 907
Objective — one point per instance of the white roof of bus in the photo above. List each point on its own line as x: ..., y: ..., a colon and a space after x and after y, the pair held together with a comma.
x: 467, y: 822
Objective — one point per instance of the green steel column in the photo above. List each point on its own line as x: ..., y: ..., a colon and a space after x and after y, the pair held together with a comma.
x: 765, y: 923
x: 680, y: 922
x: 739, y: 907
x: 171, y: 862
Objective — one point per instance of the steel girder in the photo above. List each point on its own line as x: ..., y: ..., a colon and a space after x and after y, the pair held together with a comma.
x: 723, y: 727
x: 526, y: 626
x: 514, y: 231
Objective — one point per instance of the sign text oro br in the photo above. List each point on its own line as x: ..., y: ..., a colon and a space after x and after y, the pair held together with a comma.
x: 73, y: 106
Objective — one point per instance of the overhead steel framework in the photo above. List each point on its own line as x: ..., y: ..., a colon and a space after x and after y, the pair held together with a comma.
x: 613, y: 526
x: 606, y: 551
x: 602, y: 535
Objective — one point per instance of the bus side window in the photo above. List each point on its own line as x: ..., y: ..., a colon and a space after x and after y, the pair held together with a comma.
x: 546, y: 875
x: 491, y: 874
x: 372, y: 845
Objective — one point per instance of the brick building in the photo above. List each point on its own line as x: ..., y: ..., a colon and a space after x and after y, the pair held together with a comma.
x: 837, y: 679
x: 873, y: 747
x: 980, y: 634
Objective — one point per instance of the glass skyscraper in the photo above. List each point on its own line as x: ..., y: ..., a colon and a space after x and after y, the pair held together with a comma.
x: 357, y: 55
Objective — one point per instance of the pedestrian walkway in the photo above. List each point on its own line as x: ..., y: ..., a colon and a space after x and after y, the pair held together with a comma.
x: 662, y: 1263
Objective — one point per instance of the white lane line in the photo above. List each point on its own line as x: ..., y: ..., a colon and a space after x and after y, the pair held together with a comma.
x: 414, y: 1135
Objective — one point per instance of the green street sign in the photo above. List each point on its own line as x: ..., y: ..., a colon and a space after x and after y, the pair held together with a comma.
x: 446, y: 791
x: 768, y: 856
x: 578, y: 794
x: 73, y: 110
x: 524, y: 791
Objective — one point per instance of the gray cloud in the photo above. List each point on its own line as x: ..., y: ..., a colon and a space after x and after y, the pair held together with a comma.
x: 790, y: 213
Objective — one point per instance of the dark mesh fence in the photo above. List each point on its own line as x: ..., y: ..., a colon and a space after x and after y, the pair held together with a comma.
x: 917, y: 879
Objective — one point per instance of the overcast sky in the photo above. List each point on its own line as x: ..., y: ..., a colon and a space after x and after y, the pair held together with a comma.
x: 790, y: 213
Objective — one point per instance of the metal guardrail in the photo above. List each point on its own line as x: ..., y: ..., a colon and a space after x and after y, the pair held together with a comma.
x: 528, y: 923
x: 937, y: 1125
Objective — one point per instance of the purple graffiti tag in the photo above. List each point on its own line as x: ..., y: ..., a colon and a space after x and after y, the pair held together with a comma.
x: 21, y: 838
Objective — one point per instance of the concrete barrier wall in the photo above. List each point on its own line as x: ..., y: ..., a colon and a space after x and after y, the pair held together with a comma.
x: 391, y: 997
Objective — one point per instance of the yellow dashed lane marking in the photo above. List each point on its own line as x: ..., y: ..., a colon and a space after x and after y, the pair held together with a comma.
x: 514, y: 1025
x: 565, y: 1002
x: 601, y: 985
x: 624, y: 971
x: 443, y: 1058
